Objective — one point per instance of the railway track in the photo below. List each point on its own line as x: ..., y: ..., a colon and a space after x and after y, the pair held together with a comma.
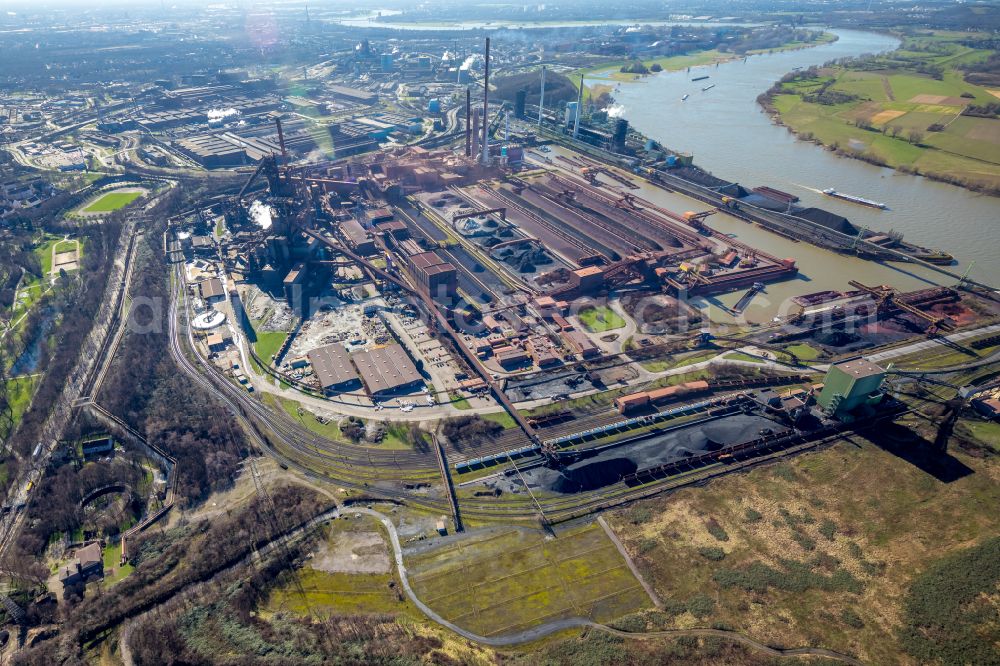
x: 379, y: 474
x: 110, y: 344
x: 89, y: 369
x: 459, y: 265
x: 342, y: 466
x: 583, y: 247
x: 611, y: 242
x: 628, y: 237
x: 521, y: 507
x: 675, y: 228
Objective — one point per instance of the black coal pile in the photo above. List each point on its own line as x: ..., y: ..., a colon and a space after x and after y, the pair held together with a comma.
x: 590, y: 476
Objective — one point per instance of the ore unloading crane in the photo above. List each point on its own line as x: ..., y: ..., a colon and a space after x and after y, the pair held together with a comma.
x: 888, y: 300
x: 627, y: 202
x: 696, y: 220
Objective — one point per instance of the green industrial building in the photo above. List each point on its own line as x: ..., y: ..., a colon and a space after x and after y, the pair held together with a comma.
x: 848, y: 386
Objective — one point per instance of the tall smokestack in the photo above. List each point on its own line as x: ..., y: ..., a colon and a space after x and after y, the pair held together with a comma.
x: 541, y: 100
x: 475, y: 132
x: 486, y: 108
x: 468, y: 122
x: 579, y: 106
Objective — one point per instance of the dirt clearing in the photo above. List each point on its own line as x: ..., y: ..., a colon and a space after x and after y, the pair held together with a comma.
x: 353, y: 552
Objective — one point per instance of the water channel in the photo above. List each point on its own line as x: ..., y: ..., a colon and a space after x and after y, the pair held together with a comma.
x: 732, y: 137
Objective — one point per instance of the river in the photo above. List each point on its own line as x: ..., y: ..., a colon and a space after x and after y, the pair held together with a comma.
x: 376, y: 18
x: 730, y: 135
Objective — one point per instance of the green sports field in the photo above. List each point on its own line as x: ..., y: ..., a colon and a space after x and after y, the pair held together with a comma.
x: 112, y: 201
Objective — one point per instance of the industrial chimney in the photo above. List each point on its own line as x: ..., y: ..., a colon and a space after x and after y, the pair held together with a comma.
x: 468, y: 122
x: 475, y: 132
x: 541, y: 99
x: 579, y: 106
x: 486, y: 108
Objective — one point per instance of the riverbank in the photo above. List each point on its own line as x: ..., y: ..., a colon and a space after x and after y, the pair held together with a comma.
x: 727, y: 132
x: 913, y: 110
x: 612, y: 71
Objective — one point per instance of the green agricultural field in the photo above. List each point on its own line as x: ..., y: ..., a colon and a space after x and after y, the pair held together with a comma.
x: 600, y: 319
x: 514, y: 579
x: 892, y: 110
x: 112, y: 201
x: 611, y: 70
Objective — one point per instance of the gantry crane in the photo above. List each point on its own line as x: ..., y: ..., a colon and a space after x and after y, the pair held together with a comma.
x: 887, y: 300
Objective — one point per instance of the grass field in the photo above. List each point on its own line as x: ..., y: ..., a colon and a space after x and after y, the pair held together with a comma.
x: 328, y: 430
x: 112, y: 201
x: 458, y: 402
x: 818, y: 550
x: 19, y: 393
x: 503, y: 418
x: 600, y: 319
x: 514, y: 579
x: 112, y: 571
x: 803, y: 351
x: 891, y: 107
x: 987, y: 433
x: 662, y: 365
x: 329, y: 593
x: 268, y: 343
x: 51, y: 244
x: 740, y: 356
x: 31, y: 287
x: 334, y: 592
x: 396, y: 437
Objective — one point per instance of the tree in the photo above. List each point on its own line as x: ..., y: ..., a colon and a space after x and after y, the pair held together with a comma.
x: 6, y: 407
x: 635, y: 67
x: 656, y: 67
x: 916, y: 137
